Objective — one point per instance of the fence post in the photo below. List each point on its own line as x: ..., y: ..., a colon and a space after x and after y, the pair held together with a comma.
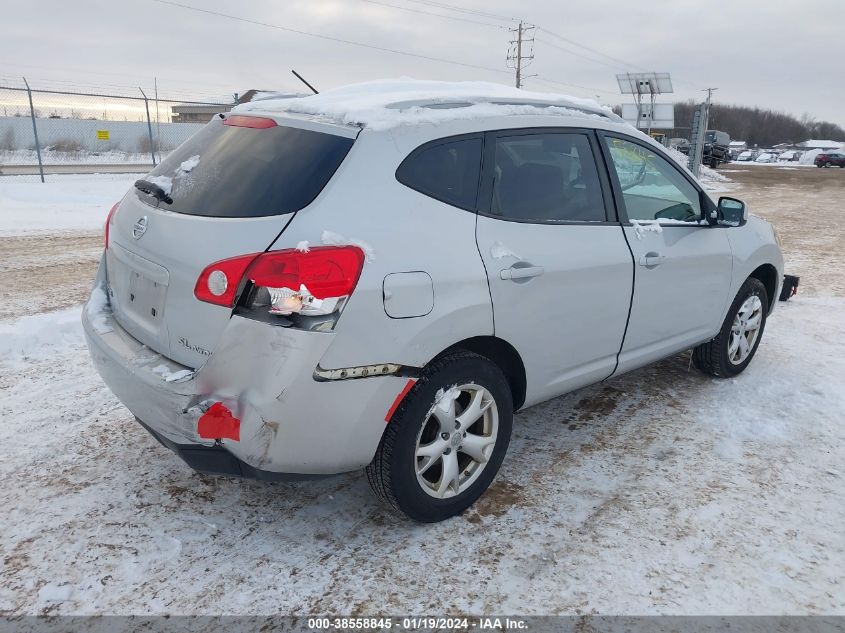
x: 34, y: 130
x: 149, y: 126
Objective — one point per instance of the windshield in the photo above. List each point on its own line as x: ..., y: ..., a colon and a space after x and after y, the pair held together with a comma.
x: 236, y: 172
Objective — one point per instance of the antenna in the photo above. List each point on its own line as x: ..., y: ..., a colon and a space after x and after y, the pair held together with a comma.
x: 302, y: 79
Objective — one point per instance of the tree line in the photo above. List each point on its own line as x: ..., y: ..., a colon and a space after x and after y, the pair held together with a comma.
x: 757, y: 126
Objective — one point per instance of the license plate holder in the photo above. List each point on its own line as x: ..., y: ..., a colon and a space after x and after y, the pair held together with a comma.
x: 145, y: 299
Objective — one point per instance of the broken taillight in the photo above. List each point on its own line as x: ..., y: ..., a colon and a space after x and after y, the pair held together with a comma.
x: 108, y: 223
x: 311, y: 283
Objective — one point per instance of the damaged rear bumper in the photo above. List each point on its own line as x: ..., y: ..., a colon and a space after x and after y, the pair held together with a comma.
x: 290, y: 423
x: 216, y: 460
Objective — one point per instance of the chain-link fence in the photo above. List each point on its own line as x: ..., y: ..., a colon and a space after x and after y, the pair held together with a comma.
x: 47, y: 132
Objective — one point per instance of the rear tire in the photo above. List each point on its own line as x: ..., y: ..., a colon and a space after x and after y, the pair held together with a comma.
x: 421, y: 467
x: 730, y: 352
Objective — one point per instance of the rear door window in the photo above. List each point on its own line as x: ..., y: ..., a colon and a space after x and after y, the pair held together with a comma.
x: 447, y: 170
x: 547, y: 177
x: 231, y: 171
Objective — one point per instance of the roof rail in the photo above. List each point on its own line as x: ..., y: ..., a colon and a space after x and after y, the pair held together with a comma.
x: 444, y: 104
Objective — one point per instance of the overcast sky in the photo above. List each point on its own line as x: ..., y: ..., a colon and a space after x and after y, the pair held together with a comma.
x: 781, y: 54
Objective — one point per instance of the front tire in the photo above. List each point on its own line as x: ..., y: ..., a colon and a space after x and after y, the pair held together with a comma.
x: 733, y: 348
x: 445, y: 443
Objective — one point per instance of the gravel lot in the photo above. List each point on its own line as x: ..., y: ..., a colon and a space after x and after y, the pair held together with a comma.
x: 659, y: 492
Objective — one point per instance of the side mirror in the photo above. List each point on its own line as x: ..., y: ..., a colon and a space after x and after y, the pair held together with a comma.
x: 731, y: 212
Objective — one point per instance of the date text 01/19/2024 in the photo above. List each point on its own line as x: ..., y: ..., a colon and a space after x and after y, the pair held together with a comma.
x: 417, y: 623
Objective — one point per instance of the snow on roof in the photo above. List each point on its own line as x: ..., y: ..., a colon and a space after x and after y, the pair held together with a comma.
x: 821, y: 144
x: 737, y: 143
x: 389, y: 103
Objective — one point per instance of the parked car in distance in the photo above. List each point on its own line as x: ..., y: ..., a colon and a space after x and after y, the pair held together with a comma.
x: 746, y: 156
x: 290, y: 295
x: 830, y: 159
x: 789, y: 156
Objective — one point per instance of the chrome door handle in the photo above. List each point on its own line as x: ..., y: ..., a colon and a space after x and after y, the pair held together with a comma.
x: 652, y: 259
x: 525, y: 272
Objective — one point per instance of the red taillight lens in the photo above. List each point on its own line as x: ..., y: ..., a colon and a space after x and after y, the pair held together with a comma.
x: 108, y: 224
x: 326, y: 272
x: 219, y: 282
x: 255, y: 122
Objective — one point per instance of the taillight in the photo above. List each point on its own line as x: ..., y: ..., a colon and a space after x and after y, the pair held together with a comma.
x: 314, y: 282
x: 255, y: 122
x: 108, y: 224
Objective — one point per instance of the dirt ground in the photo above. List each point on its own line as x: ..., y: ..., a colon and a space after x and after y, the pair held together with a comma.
x: 660, y: 492
x: 807, y: 207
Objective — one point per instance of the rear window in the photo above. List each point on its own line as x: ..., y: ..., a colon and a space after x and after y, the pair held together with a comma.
x: 239, y: 172
x: 446, y: 170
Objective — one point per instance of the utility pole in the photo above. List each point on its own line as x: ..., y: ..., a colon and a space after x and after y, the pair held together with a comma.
x: 700, y: 122
x: 516, y: 53
x: 709, y: 92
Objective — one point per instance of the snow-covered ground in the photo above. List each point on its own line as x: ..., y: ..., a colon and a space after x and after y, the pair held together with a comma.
x: 663, y: 491
x: 76, y: 203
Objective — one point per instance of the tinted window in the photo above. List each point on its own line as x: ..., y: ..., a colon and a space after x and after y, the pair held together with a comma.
x: 228, y: 171
x: 546, y: 178
x: 653, y: 188
x: 447, y: 171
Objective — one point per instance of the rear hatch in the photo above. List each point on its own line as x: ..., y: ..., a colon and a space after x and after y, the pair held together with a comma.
x: 229, y: 190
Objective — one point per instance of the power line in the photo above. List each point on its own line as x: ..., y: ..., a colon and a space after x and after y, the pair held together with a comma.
x: 591, y: 90
x: 577, y: 54
x: 330, y: 38
x: 591, y: 50
x: 452, y: 7
x: 439, y: 15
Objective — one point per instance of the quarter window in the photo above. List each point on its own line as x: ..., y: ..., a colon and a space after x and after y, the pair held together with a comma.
x: 448, y: 171
x: 546, y: 178
x: 652, y: 187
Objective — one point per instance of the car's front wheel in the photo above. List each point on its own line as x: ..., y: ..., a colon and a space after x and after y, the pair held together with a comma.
x: 444, y: 444
x: 733, y: 348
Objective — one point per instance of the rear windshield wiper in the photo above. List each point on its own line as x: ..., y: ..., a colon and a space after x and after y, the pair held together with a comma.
x: 154, y: 190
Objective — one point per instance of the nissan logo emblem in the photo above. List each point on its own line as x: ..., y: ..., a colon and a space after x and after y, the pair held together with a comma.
x: 139, y: 228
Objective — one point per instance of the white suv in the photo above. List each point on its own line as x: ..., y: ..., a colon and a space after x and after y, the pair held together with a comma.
x: 379, y: 276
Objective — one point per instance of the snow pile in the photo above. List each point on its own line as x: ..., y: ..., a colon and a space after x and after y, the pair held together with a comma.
x: 809, y: 157
x: 500, y: 251
x: 187, y: 165
x: 389, y: 103
x: 98, y: 311
x: 39, y: 337
x: 63, y: 203
x: 165, y: 182
x: 330, y: 238
x: 641, y: 227
x: 172, y: 376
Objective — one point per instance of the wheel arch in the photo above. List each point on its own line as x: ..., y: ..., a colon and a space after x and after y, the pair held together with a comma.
x: 504, y: 355
x: 768, y: 275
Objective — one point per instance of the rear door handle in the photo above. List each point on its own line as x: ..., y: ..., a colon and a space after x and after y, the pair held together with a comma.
x: 513, y: 273
x: 652, y: 259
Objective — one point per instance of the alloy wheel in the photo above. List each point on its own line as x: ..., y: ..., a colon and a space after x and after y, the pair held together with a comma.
x: 745, y: 329
x: 456, y: 440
